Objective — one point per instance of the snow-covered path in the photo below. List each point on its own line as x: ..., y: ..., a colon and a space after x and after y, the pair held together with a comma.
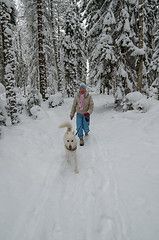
x: 115, y: 196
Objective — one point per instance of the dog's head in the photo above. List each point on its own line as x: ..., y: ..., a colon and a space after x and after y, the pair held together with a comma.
x: 70, y: 140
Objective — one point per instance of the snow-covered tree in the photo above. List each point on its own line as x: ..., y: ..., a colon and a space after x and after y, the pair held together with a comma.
x: 1, y: 58
x: 7, y: 20
x: 55, y: 11
x: 104, y: 52
x: 149, y: 20
x: 80, y: 40
x: 41, y: 54
x: 153, y: 72
x: 69, y: 49
x: 33, y: 100
x: 125, y: 38
x: 27, y: 30
x: 140, y: 44
x: 3, y: 113
x: 73, y: 51
x: 21, y: 71
x: 93, y: 16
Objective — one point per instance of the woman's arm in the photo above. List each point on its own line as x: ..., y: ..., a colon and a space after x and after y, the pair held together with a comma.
x: 73, y: 109
x: 91, y: 105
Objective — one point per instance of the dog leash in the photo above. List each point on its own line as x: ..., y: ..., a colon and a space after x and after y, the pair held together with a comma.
x: 78, y: 130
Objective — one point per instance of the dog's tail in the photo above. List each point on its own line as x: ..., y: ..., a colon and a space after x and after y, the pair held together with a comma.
x: 66, y: 124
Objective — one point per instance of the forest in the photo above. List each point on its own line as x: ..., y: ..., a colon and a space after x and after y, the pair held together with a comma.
x: 47, y: 48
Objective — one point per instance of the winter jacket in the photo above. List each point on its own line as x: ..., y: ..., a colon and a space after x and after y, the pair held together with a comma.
x: 88, y: 105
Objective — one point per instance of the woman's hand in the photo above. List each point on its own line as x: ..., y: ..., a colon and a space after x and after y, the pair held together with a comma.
x: 87, y: 116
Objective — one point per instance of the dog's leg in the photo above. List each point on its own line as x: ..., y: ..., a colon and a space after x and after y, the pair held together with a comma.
x: 76, y: 167
x: 67, y: 157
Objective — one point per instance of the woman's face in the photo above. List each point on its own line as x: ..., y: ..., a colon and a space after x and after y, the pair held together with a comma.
x: 82, y: 90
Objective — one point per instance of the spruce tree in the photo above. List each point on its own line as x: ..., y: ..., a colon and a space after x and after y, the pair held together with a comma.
x: 69, y: 54
x: 125, y: 38
x: 28, y: 33
x: 7, y: 21
x: 140, y: 68
x: 93, y: 16
x: 55, y: 12
x: 153, y: 72
x: 104, y: 52
x: 73, y: 50
x: 41, y: 54
x: 80, y: 40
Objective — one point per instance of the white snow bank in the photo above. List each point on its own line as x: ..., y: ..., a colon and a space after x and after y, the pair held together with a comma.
x: 138, y: 101
x: 55, y: 100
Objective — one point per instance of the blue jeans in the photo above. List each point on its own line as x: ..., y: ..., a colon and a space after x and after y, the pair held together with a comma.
x: 81, y: 124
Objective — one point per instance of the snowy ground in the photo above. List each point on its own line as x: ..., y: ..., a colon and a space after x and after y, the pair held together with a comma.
x: 115, y: 196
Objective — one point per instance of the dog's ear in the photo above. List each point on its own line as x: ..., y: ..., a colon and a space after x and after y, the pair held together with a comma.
x: 73, y: 132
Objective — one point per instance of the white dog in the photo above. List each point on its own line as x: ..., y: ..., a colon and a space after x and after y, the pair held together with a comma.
x: 70, y: 143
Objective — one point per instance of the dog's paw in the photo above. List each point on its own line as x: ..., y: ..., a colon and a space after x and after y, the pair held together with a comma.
x: 76, y: 171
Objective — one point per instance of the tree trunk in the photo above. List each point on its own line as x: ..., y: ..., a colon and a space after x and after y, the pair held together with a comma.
x: 56, y: 51
x: 140, y: 45
x: 41, y: 55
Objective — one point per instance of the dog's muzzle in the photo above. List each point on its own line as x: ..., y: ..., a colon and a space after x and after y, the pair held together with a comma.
x: 70, y: 148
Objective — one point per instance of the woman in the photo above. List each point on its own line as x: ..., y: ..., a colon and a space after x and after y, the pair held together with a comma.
x: 83, y: 105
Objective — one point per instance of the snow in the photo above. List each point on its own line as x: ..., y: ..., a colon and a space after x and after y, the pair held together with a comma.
x: 122, y: 72
x: 8, y: 31
x: 138, y: 51
x: 2, y: 89
x: 109, y: 19
x: 134, y: 96
x: 8, y: 3
x: 127, y: 26
x: 139, y: 101
x: 115, y: 195
x: 55, y: 99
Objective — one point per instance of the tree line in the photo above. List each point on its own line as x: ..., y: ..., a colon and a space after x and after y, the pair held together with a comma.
x: 50, y: 46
